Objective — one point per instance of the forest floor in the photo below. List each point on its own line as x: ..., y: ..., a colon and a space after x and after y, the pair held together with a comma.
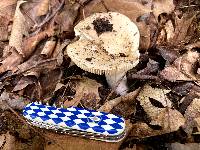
x: 162, y: 104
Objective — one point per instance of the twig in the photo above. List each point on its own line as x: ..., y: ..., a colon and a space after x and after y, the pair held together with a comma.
x: 47, y: 19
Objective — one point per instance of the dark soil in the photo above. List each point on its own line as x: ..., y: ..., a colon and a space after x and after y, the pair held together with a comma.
x: 102, y: 25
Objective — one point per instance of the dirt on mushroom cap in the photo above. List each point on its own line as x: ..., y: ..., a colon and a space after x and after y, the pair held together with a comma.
x: 107, y: 51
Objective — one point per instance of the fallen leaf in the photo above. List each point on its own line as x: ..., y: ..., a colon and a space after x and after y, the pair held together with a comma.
x: 181, y: 28
x: 192, y: 112
x: 152, y: 67
x: 42, y: 8
x: 30, y: 43
x: 18, y: 29
x: 183, y: 89
x: 49, y: 81
x: 8, y: 143
x: 169, y: 28
x: 3, y: 28
x: 142, y: 130
x: 183, y: 68
x: 11, y: 62
x: 168, y: 54
x: 86, y: 93
x: 14, y: 101
x: 65, y: 19
x: 23, y: 83
x: 7, y: 8
x: 185, y: 146
x: 129, y: 98
x: 162, y: 6
x: 158, y: 95
x: 169, y: 119
x: 193, y: 45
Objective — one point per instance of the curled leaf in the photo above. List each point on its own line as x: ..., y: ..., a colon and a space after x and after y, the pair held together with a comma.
x: 18, y: 29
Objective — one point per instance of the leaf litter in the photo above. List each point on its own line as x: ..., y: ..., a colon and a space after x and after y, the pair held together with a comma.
x: 163, y: 88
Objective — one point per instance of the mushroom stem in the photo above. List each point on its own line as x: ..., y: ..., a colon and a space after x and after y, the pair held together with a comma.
x: 117, y: 82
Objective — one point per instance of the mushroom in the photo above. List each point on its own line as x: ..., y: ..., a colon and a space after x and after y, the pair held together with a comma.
x: 108, y: 44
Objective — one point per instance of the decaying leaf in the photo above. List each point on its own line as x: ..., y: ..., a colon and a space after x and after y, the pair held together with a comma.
x: 18, y: 29
x: 169, y: 119
x: 8, y: 141
x: 183, y: 68
x: 152, y: 67
x: 7, y: 8
x: 86, y: 93
x: 66, y: 18
x: 108, y: 106
x: 12, y: 100
x: 42, y: 8
x: 142, y: 130
x: 11, y: 62
x: 3, y: 28
x: 23, y: 83
x: 181, y: 28
x: 168, y: 54
x: 156, y: 104
x: 162, y: 6
x: 192, y: 115
x: 48, y: 82
x: 158, y: 96
x: 30, y: 43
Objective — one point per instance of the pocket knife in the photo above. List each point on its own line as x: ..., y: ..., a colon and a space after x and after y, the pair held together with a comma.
x: 76, y: 121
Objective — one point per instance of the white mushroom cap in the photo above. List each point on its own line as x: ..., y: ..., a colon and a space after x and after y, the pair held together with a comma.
x: 106, y: 52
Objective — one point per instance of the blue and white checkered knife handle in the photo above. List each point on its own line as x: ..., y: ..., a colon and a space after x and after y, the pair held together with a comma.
x: 76, y: 121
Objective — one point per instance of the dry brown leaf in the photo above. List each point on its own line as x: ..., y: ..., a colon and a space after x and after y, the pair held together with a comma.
x: 49, y: 81
x: 9, y: 142
x: 38, y: 65
x: 66, y: 18
x: 3, y: 28
x: 11, y: 62
x: 169, y: 119
x: 161, y: 113
x: 168, y: 54
x: 181, y: 28
x: 192, y: 113
x: 23, y: 83
x: 132, y: 9
x: 162, y: 6
x: 58, y: 52
x: 7, y: 8
x: 18, y: 29
x: 42, y: 8
x: 30, y: 43
x: 86, y: 93
x: 108, y: 106
x: 14, y: 101
x: 142, y: 130
x: 159, y: 96
x: 172, y: 74
x: 183, y: 68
